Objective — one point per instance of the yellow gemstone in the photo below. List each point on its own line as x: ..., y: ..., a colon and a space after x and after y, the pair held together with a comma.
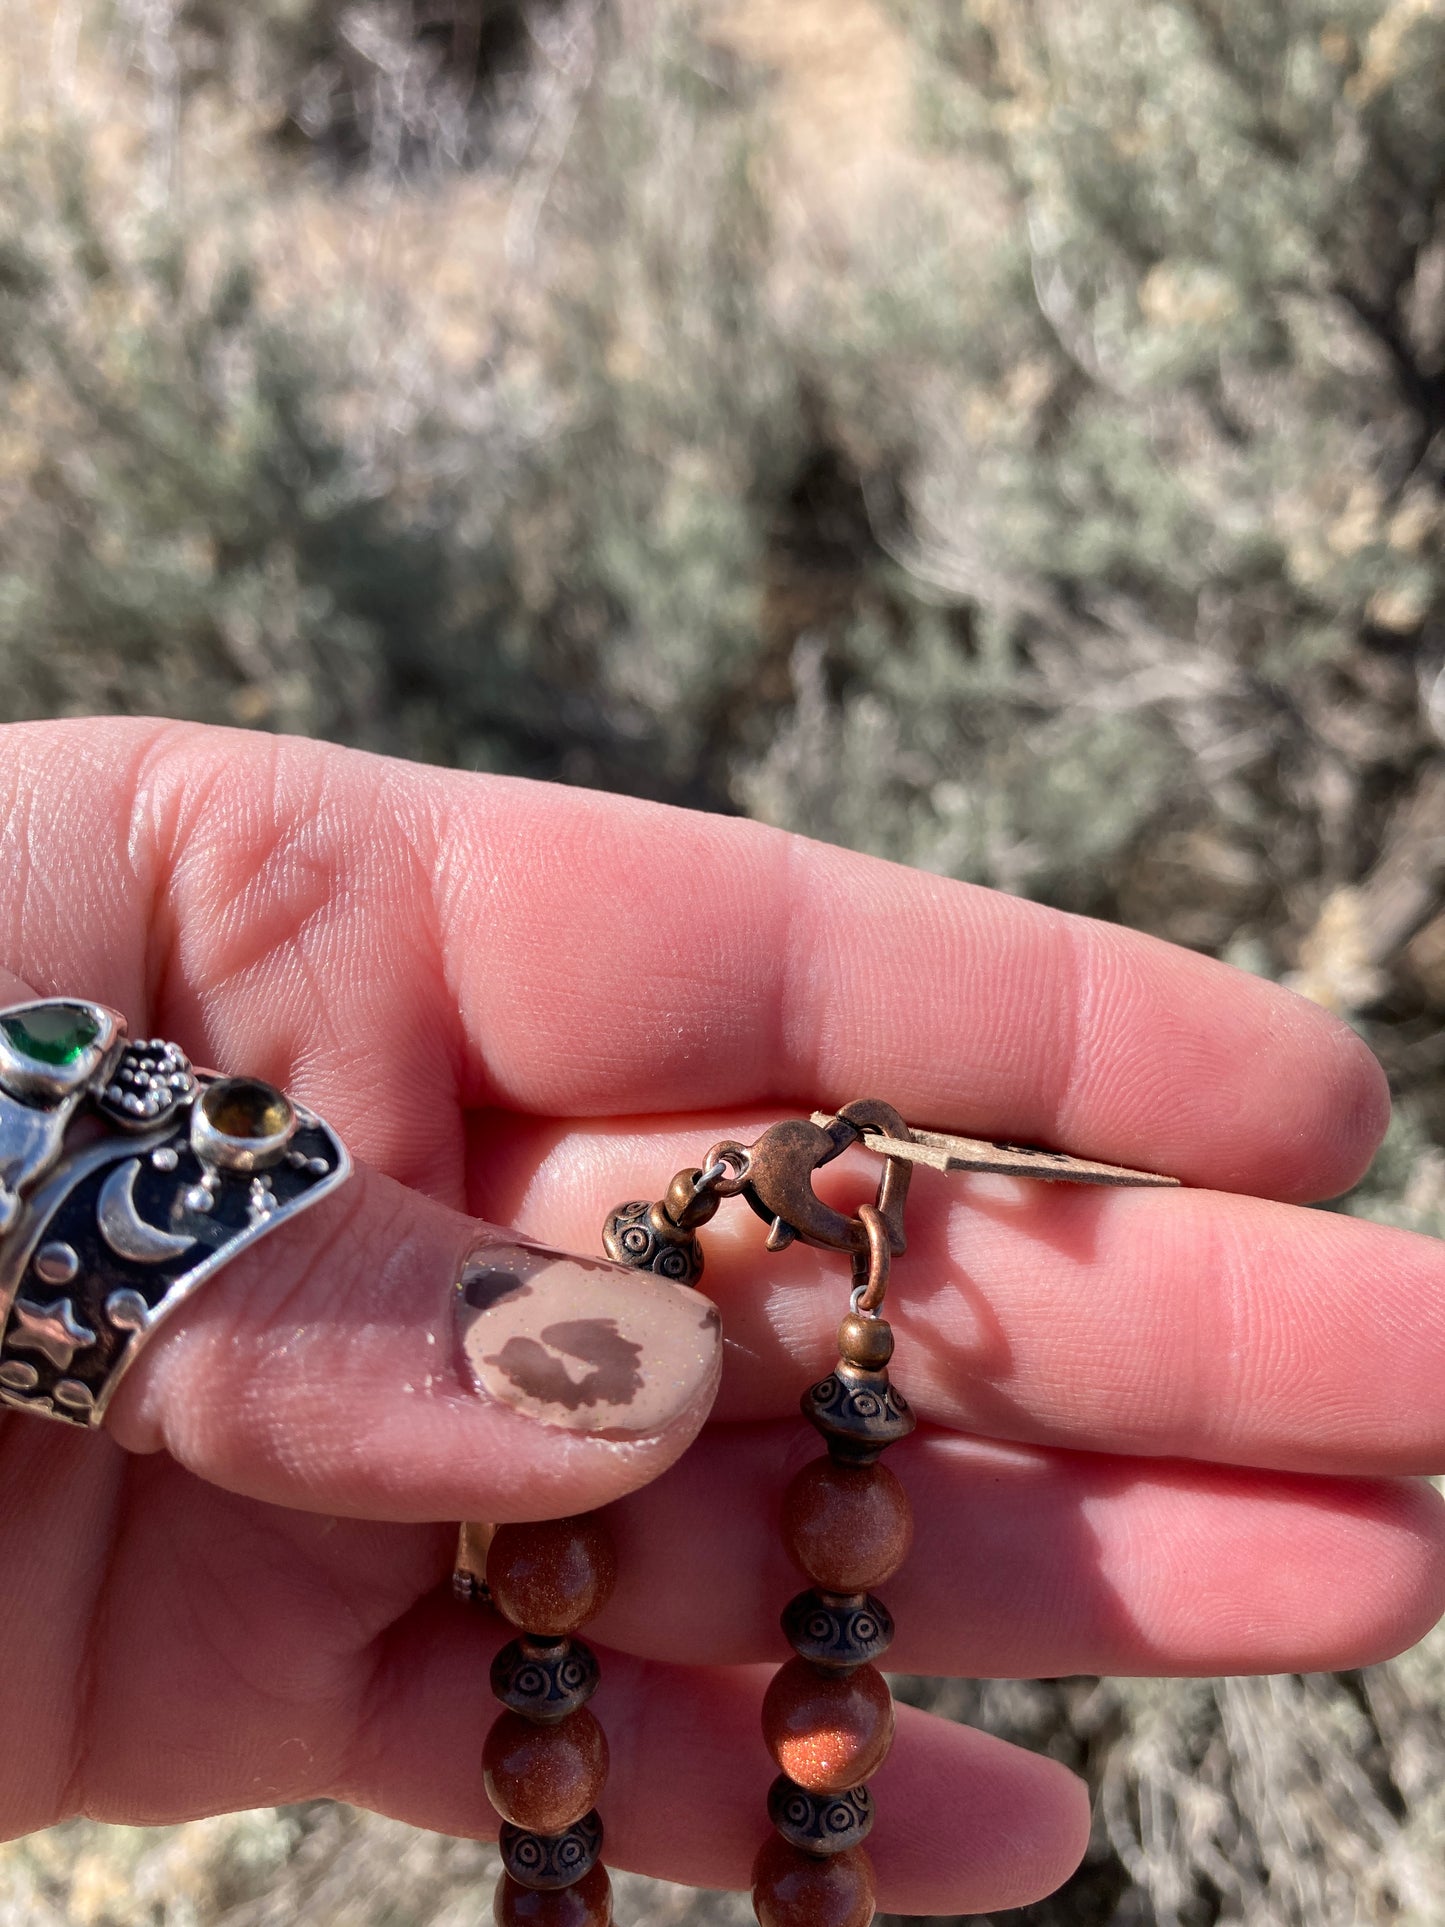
x: 245, y: 1109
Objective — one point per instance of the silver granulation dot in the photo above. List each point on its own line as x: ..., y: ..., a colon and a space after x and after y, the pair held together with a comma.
x: 56, y: 1263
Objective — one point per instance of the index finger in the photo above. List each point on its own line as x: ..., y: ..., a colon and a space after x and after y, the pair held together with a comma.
x: 568, y: 953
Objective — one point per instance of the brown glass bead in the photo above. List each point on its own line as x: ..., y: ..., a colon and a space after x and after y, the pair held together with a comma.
x: 866, y: 1341
x: 586, y: 1903
x: 848, y: 1526
x: 544, y: 1778
x: 828, y: 1731
x: 796, y: 1889
x: 553, y: 1575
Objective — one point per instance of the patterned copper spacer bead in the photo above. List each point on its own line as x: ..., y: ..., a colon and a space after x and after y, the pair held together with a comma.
x: 838, y: 1631
x: 543, y: 1861
x: 642, y: 1235
x: 545, y: 1679
x: 858, y: 1412
x: 820, y: 1823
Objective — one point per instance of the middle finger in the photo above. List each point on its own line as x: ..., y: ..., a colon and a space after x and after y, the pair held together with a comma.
x: 1178, y: 1323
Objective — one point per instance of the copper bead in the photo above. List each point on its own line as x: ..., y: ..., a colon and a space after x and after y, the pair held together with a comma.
x: 586, y: 1903
x: 866, y: 1341
x: 553, y: 1575
x: 687, y: 1207
x: 544, y: 1778
x: 827, y: 1731
x: 835, y: 1630
x: 796, y: 1889
x: 848, y: 1526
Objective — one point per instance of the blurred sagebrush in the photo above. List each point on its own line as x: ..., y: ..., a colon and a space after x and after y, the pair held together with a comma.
x: 1057, y: 502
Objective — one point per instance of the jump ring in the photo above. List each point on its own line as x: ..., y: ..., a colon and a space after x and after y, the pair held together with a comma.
x: 869, y: 1292
x: 724, y: 1157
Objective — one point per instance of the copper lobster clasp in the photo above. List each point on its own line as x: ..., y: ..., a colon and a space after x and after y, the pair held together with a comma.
x: 778, y: 1178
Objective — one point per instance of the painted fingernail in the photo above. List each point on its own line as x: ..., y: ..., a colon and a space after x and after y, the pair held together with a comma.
x: 583, y: 1343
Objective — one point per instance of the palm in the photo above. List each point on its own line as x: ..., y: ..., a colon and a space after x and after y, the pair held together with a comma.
x: 1162, y: 1432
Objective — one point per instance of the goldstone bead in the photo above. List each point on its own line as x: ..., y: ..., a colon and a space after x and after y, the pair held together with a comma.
x: 544, y: 1778
x: 586, y: 1903
x: 796, y: 1889
x: 848, y: 1526
x: 827, y: 1731
x: 552, y: 1575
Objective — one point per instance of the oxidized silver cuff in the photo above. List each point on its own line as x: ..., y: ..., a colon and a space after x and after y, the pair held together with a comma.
x: 127, y: 1178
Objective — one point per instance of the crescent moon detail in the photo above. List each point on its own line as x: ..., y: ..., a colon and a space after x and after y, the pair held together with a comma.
x: 127, y: 1233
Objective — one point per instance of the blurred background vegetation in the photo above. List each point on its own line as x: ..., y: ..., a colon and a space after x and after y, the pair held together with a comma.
x: 1006, y: 437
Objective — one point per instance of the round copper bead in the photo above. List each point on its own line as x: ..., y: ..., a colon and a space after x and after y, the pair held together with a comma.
x: 848, y: 1526
x: 827, y: 1731
x: 796, y: 1889
x: 686, y: 1207
x: 867, y: 1342
x: 544, y: 1778
x: 586, y: 1903
x: 553, y: 1575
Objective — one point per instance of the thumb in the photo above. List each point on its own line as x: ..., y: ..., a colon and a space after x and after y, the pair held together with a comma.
x: 375, y: 1354
x: 386, y: 1357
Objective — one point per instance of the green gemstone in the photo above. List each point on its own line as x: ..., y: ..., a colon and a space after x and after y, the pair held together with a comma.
x: 57, y: 1035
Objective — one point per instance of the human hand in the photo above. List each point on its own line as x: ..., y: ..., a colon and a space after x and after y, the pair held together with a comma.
x: 1162, y: 1432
